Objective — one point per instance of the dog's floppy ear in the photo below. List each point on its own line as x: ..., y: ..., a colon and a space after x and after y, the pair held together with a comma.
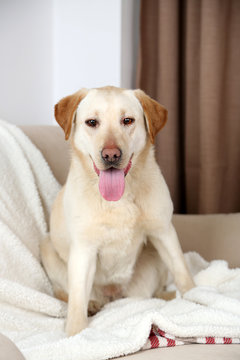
x: 155, y: 113
x: 66, y: 108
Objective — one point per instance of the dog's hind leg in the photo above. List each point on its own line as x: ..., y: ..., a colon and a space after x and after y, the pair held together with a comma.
x: 55, y: 268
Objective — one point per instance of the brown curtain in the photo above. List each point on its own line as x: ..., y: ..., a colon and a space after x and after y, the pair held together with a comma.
x: 190, y: 62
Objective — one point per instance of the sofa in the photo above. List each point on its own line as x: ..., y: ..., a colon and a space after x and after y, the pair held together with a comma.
x: 212, y: 236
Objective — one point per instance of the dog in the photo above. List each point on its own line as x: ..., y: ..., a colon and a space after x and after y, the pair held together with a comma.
x: 111, y: 234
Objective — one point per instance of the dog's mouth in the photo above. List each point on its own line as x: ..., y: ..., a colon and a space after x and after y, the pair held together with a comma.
x: 112, y: 181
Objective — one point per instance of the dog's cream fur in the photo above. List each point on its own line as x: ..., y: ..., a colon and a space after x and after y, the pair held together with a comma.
x: 101, y: 250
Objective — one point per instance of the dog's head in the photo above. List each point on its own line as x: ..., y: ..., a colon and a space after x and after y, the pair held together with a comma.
x: 111, y: 127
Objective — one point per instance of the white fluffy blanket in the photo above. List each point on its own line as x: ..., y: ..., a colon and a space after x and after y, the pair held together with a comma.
x: 34, y: 319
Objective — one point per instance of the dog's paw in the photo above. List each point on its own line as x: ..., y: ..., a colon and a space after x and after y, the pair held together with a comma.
x: 165, y: 295
x: 94, y: 307
x: 75, y: 326
x: 186, y: 285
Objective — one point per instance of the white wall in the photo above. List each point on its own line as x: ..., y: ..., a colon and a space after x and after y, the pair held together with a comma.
x: 26, y: 61
x: 87, y: 44
x: 51, y: 48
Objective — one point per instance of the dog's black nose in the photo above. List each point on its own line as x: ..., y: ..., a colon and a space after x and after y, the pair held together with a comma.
x: 111, y: 155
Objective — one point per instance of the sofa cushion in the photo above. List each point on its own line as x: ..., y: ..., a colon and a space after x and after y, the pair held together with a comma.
x: 196, y: 352
x: 50, y: 141
x: 212, y: 236
x: 8, y: 350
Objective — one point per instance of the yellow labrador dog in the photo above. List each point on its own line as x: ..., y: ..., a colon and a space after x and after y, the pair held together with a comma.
x: 110, y: 229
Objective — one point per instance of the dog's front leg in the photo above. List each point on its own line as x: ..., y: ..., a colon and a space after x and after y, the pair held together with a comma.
x: 81, y: 271
x: 169, y: 249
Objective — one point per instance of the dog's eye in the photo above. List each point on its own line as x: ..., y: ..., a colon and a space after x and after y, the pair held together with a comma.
x: 128, y: 121
x: 92, y: 122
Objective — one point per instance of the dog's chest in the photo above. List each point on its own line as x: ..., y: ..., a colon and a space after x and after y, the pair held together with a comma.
x: 115, y: 262
x: 121, y: 238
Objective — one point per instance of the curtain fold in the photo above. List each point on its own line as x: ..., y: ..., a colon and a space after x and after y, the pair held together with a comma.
x: 190, y: 62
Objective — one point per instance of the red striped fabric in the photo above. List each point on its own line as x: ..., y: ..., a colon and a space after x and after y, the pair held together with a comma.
x: 171, y: 342
x: 154, y: 342
x: 210, y: 340
x: 160, y: 332
x: 227, y: 340
x: 159, y: 338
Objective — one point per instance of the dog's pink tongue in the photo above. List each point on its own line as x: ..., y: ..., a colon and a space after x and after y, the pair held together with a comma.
x: 112, y: 184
